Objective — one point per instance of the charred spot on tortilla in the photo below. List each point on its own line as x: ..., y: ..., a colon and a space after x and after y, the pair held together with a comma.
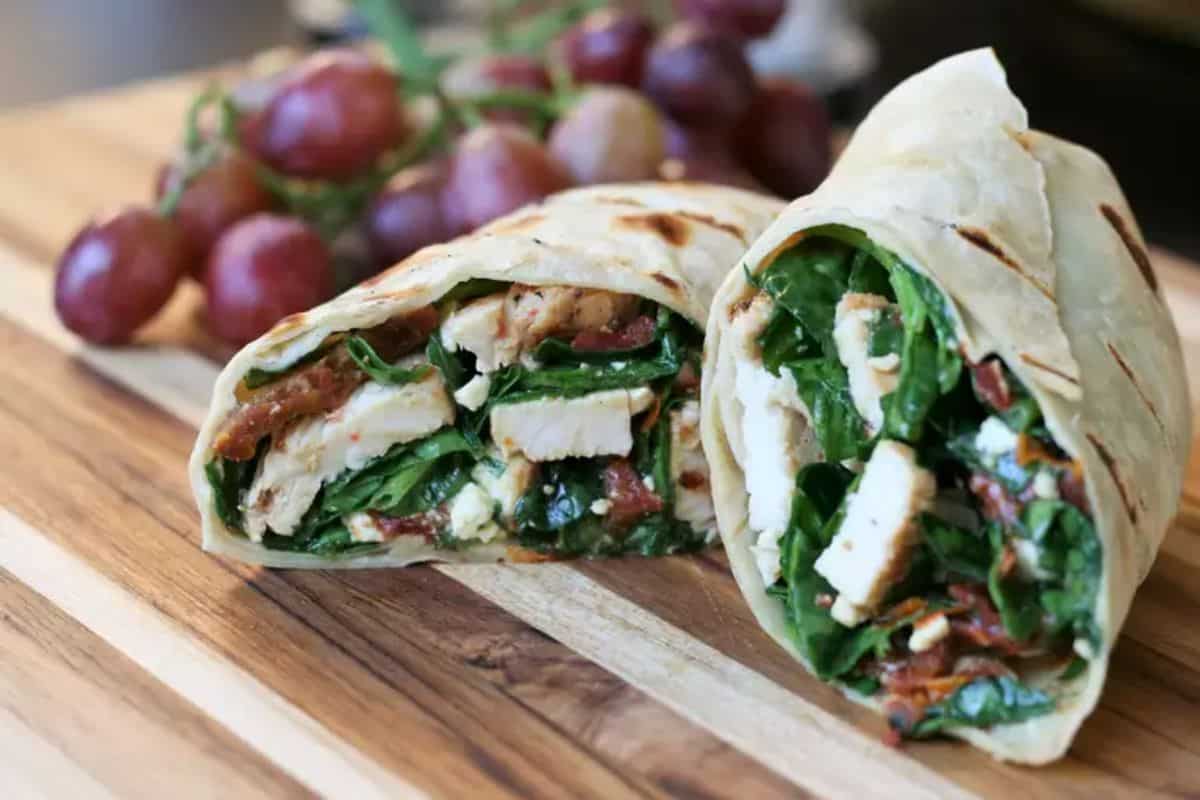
x: 1116, y: 354
x: 979, y: 238
x: 672, y: 228
x: 1036, y: 364
x: 1110, y: 463
x: 1136, y: 251
x: 1022, y: 140
x: 713, y: 222
x: 289, y: 322
x: 667, y: 281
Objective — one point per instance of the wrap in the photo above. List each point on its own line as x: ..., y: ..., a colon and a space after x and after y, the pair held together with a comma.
x: 962, y: 347
x: 360, y: 433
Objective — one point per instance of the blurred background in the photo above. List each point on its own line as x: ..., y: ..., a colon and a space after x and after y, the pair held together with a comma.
x: 1118, y: 75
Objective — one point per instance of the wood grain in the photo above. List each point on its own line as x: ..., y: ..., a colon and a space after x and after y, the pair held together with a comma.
x: 614, y: 679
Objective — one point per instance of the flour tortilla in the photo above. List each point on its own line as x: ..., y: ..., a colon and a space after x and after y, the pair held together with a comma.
x: 670, y: 243
x: 1032, y: 242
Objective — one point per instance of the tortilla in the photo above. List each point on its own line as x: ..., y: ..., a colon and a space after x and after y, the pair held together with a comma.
x: 670, y: 244
x: 1036, y: 252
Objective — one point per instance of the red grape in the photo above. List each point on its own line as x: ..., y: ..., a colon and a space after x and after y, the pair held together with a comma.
x: 746, y: 18
x: 684, y: 142
x: 470, y: 77
x: 496, y: 169
x: 407, y: 214
x: 721, y: 169
x: 215, y: 199
x: 117, y: 273
x: 784, y: 138
x: 699, y: 76
x: 262, y: 269
x: 612, y: 134
x: 607, y: 46
x: 331, y: 118
x: 474, y: 77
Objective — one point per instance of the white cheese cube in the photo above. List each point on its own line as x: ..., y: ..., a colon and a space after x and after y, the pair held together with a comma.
x: 508, y: 485
x: 766, y: 555
x: 472, y: 513
x: 473, y: 394
x: 995, y: 438
x: 928, y: 631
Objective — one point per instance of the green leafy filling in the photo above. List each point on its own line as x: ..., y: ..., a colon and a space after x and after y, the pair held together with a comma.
x: 935, y: 409
x: 377, y: 368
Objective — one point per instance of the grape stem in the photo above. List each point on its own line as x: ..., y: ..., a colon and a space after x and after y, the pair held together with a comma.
x: 200, y: 151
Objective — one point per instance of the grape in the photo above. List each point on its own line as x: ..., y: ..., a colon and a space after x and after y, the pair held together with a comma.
x: 699, y: 76
x: 685, y: 143
x: 496, y: 169
x: 474, y: 77
x: 612, y: 134
x: 262, y: 269
x: 720, y: 169
x: 331, y: 118
x: 745, y: 18
x: 215, y: 199
x: 607, y: 46
x: 117, y: 273
x: 407, y: 214
x: 784, y: 138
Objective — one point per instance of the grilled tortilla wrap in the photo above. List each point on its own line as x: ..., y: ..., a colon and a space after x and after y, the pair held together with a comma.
x: 527, y: 392
x: 946, y: 415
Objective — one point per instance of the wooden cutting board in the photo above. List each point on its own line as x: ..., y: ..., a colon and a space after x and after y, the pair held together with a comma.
x: 132, y: 664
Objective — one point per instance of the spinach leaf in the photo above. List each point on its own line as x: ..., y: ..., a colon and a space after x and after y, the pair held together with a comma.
x: 454, y: 373
x: 825, y: 390
x: 1015, y: 599
x: 782, y: 340
x: 868, y: 276
x: 984, y: 702
x: 955, y: 551
x: 1004, y: 468
x: 864, y: 639
x: 256, y: 377
x: 385, y: 482
x: 1077, y: 667
x: 575, y: 482
x: 660, y: 534
x: 886, y: 335
x: 906, y: 409
x: 1023, y: 414
x: 1070, y: 550
x: 333, y: 541
x: 517, y: 383
x: 820, y: 490
x: 471, y: 289
x: 809, y: 280
x: 380, y: 371
x: 229, y: 481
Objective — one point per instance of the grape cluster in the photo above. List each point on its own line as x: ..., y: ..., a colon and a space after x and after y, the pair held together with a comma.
x: 275, y: 173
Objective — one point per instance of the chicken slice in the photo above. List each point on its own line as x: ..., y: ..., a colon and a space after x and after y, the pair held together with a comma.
x: 595, y: 424
x: 870, y: 378
x: 871, y: 548
x: 374, y: 418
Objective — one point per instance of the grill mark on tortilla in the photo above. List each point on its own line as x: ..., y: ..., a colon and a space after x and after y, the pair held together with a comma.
x: 713, y: 222
x: 1033, y: 362
x: 1116, y: 354
x: 1022, y: 139
x: 672, y: 228
x: 1136, y: 251
x: 617, y: 200
x: 1111, y: 464
x: 666, y: 280
x: 522, y: 223
x: 980, y: 239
